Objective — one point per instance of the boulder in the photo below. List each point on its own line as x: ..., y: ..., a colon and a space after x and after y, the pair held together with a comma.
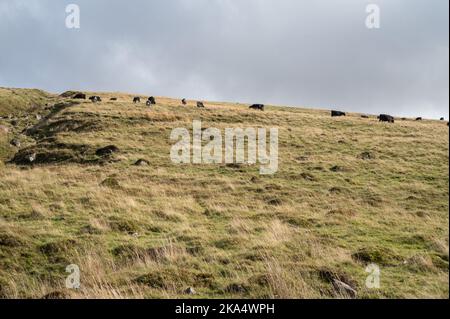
x: 142, y: 162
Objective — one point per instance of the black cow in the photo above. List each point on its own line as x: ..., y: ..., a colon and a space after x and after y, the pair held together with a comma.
x: 95, y: 99
x: 419, y: 119
x: 337, y: 113
x: 113, y: 99
x: 257, y: 107
x: 80, y: 96
x: 151, y: 101
x: 137, y: 99
x: 200, y: 105
x: 365, y: 116
x: 386, y: 118
x: 442, y: 119
x: 183, y: 101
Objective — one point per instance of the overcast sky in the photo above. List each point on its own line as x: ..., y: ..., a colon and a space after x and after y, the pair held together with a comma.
x: 315, y: 53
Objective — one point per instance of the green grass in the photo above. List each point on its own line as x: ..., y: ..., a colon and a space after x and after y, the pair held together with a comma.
x: 153, y: 231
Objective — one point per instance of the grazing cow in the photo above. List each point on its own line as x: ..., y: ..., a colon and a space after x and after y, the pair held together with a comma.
x: 442, y: 119
x: 386, y: 118
x: 257, y: 107
x: 337, y: 113
x: 137, y: 99
x: 365, y: 116
x: 151, y: 101
x: 419, y: 119
x: 183, y: 101
x: 80, y: 96
x: 200, y: 105
x: 113, y: 99
x: 95, y: 99
x: 404, y: 118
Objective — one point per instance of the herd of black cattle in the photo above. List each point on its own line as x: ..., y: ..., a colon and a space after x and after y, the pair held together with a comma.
x: 382, y: 117
x: 152, y: 101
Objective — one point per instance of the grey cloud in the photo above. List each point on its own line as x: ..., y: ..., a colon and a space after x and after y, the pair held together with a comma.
x: 287, y: 52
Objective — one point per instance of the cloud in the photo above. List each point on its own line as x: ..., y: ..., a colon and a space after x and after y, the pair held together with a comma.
x: 287, y: 52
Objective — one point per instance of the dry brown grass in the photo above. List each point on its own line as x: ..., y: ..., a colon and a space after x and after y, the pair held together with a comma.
x: 153, y: 231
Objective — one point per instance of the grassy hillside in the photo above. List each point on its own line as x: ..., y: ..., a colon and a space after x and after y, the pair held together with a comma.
x: 18, y: 102
x: 349, y: 192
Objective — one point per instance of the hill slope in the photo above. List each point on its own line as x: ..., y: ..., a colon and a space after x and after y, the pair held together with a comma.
x: 349, y: 192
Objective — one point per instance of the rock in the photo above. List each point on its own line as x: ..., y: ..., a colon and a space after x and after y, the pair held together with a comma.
x: 190, y: 291
x: 142, y: 162
x: 107, y: 151
x: 32, y: 157
x: 344, y: 289
x: 15, y: 142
